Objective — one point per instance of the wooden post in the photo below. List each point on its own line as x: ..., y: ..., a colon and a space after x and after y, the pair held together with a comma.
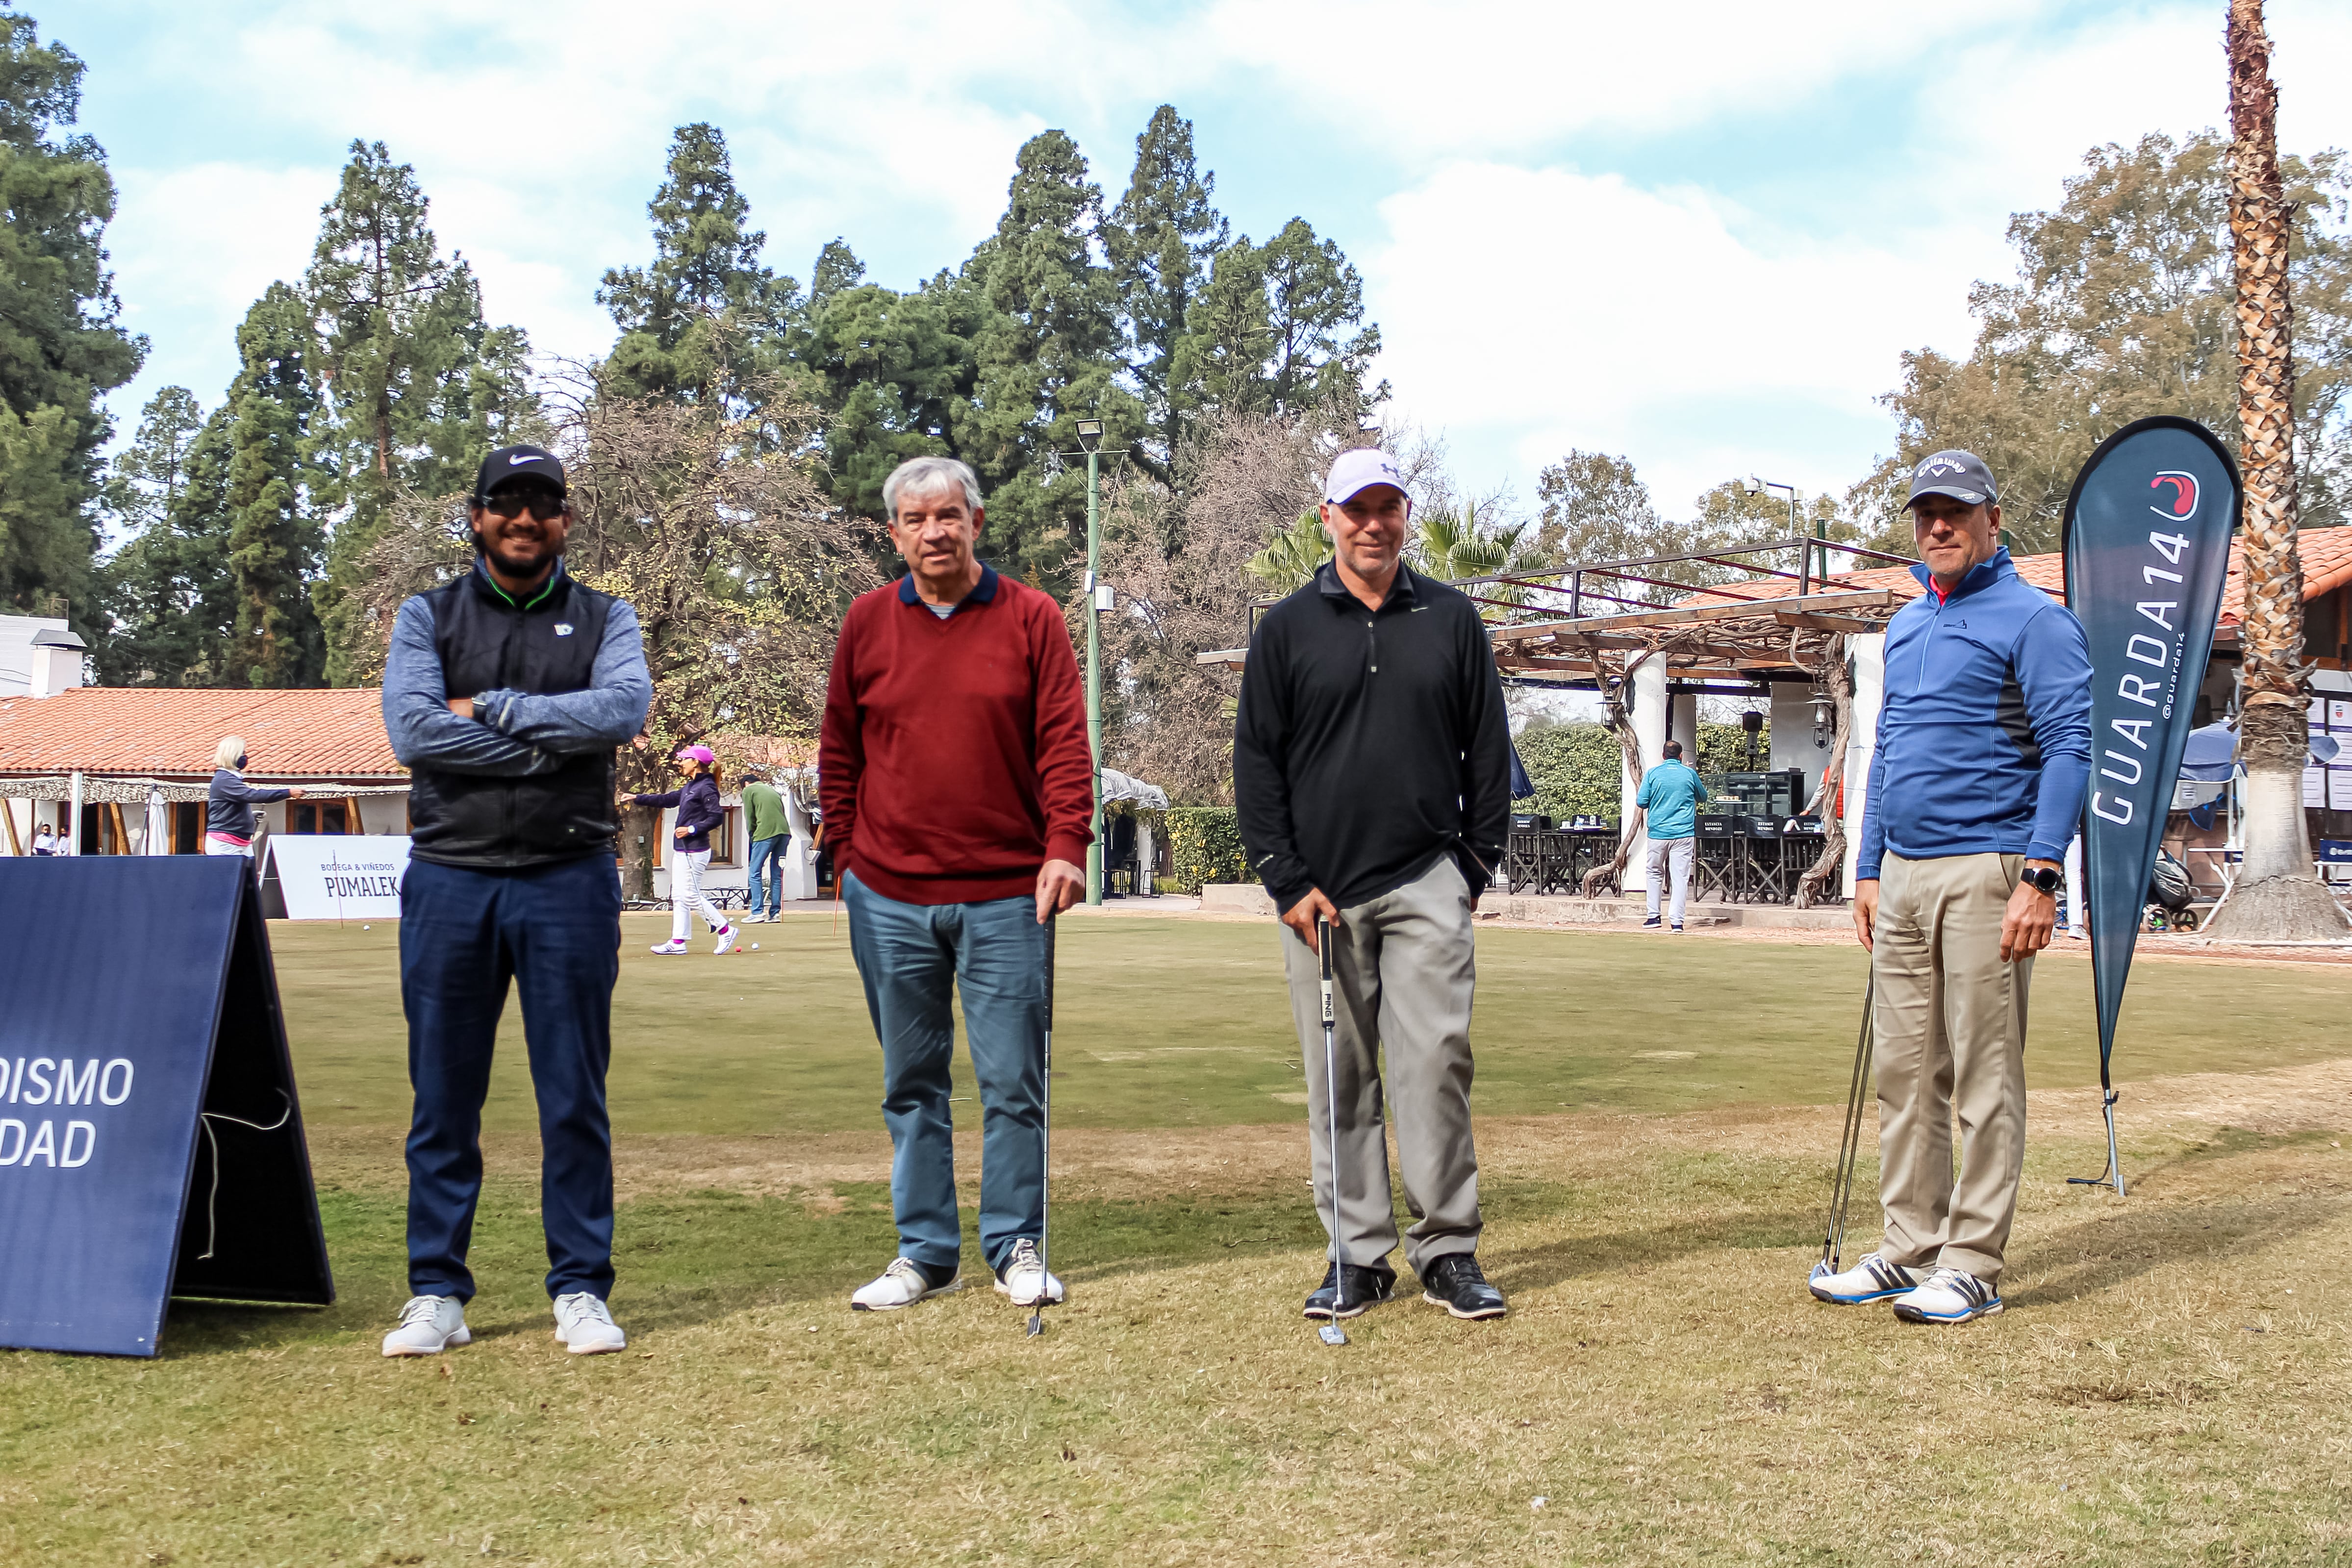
x: 351, y: 823
x: 8, y: 810
x: 121, y: 838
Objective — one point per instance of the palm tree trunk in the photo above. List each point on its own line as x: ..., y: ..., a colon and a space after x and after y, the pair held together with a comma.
x: 2277, y: 896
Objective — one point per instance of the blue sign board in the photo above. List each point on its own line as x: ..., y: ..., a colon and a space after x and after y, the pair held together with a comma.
x: 150, y: 1145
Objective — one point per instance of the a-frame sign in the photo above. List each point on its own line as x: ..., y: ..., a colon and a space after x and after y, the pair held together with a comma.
x: 151, y: 1144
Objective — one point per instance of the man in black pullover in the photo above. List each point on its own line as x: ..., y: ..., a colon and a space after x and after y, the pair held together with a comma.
x: 1371, y: 766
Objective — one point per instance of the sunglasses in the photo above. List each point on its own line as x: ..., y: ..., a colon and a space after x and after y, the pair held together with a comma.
x: 543, y: 506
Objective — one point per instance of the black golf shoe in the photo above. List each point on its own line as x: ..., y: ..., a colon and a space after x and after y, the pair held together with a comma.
x: 1366, y: 1288
x: 1456, y: 1283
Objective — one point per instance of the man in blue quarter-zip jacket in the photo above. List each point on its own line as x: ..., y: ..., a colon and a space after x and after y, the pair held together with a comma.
x: 1984, y: 749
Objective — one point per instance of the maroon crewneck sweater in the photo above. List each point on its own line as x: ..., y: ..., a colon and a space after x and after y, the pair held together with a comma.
x: 953, y: 761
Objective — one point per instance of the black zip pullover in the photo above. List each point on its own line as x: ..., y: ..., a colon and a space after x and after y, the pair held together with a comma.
x: 1369, y: 744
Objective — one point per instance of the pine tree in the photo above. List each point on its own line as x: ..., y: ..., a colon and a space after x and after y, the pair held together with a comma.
x: 414, y: 385
x: 274, y: 536
x: 1313, y: 295
x: 1049, y: 354
x: 1161, y: 241
x: 60, y: 346
x: 1269, y: 334
x: 166, y: 591
x: 893, y: 374
x: 706, y: 313
x: 1229, y: 335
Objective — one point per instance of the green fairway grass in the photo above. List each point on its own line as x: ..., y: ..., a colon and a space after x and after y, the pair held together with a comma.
x: 1174, y: 1023
x: 2168, y: 1386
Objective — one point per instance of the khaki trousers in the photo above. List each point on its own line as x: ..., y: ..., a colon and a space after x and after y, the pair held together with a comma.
x: 1950, y: 1027
x: 1401, y: 976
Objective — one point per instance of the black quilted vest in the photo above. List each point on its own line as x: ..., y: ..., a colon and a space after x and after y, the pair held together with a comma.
x: 546, y: 645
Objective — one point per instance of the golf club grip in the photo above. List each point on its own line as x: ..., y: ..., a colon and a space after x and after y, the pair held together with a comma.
x: 1051, y: 922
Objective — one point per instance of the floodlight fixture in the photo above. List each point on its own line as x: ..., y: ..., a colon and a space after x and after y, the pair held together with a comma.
x: 1090, y: 434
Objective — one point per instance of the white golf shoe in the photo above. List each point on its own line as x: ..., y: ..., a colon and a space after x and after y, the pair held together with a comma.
x: 1872, y: 1279
x: 673, y: 946
x: 428, y: 1325
x: 727, y: 936
x: 1023, y: 1278
x: 1953, y: 1296
x: 585, y: 1324
x: 902, y: 1284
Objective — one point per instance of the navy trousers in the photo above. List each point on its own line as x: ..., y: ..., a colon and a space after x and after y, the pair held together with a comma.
x: 555, y: 930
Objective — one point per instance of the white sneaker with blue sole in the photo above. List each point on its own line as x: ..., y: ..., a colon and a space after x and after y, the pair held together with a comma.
x: 1872, y: 1279
x: 1953, y: 1296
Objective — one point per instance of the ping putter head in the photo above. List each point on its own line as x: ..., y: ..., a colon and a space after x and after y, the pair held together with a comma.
x: 1820, y: 1268
x: 1331, y: 1333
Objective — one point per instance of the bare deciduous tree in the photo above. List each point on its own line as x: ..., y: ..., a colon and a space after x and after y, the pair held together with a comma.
x: 1180, y: 564
x: 705, y: 517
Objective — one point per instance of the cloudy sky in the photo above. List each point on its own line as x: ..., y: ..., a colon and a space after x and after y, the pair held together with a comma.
x: 1699, y: 234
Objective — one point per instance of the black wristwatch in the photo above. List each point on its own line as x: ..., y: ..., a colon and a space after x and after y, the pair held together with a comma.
x: 2044, y: 879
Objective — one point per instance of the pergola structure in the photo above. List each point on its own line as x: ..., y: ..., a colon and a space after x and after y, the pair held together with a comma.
x: 1554, y: 625
x: 1739, y: 619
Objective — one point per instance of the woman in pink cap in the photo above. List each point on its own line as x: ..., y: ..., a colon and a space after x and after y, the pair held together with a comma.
x: 699, y: 812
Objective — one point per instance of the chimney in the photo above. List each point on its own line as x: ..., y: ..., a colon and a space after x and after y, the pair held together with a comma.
x: 56, y: 661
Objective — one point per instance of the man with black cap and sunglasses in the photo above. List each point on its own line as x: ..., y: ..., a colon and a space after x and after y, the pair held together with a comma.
x: 505, y: 693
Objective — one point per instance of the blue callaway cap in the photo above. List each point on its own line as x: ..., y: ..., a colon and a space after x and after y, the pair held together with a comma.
x: 519, y: 462
x: 1959, y: 475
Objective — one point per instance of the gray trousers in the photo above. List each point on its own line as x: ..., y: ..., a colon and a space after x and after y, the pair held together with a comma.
x: 1402, y: 974
x: 1676, y: 854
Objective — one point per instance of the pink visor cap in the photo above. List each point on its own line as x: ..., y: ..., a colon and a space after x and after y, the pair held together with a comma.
x: 696, y: 754
x: 1359, y: 470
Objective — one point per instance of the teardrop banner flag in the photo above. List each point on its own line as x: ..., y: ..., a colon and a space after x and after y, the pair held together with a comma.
x: 2147, y: 528
x: 150, y: 1145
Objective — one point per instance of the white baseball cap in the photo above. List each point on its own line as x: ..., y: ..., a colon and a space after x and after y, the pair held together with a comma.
x: 1359, y: 470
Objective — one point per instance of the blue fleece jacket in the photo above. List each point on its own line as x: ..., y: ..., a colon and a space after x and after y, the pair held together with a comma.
x: 1670, y: 793
x: 1984, y: 739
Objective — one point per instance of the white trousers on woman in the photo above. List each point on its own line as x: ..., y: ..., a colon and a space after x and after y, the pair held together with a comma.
x: 686, y: 894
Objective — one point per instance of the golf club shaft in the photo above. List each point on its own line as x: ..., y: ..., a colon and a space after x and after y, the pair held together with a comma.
x: 1850, y: 1133
x: 1045, y: 1169
x: 1331, y: 1112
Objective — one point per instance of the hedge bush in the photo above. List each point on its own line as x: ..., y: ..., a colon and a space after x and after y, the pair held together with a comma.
x: 1579, y: 767
x: 1204, y: 845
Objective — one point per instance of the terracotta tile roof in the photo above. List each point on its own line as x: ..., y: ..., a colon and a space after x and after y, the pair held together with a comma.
x: 166, y: 732
x: 2326, y: 554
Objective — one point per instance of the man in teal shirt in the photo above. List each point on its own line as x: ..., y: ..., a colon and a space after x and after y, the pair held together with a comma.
x: 1670, y: 793
x: 765, y: 825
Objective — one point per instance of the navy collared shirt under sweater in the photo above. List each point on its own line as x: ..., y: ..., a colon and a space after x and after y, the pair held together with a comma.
x: 1368, y: 743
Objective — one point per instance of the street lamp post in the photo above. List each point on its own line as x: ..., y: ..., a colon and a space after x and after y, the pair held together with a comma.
x: 1805, y: 570
x: 1098, y: 597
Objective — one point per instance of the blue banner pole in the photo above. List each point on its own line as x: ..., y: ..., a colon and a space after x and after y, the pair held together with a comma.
x: 2148, y: 529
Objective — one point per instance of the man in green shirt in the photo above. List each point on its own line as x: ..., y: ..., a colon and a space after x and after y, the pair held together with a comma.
x: 765, y: 824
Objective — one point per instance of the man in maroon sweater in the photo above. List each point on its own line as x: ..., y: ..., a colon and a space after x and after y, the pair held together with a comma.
x: 958, y: 789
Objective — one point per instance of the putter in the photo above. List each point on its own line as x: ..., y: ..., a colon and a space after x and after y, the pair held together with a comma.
x: 1832, y: 1256
x: 1331, y: 1333
x: 1045, y: 1176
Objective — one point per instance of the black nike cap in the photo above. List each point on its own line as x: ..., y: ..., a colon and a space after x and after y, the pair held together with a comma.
x: 519, y: 462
